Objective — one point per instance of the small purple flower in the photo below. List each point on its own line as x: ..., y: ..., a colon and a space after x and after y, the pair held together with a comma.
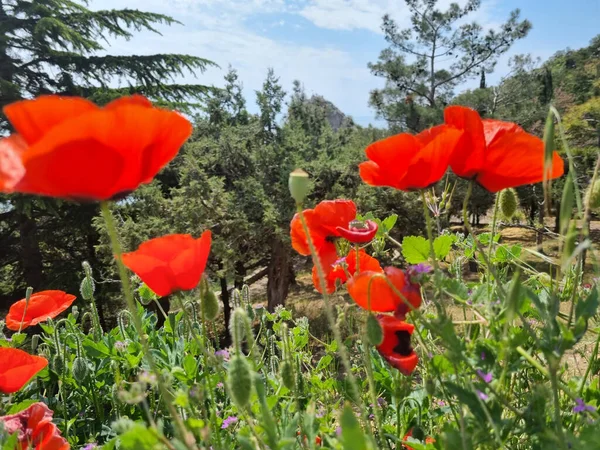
x: 228, y: 421
x: 371, y: 416
x: 220, y: 385
x: 90, y: 446
x: 483, y: 356
x: 417, y: 272
x: 482, y: 395
x: 120, y: 346
x: 338, y: 431
x: 487, y: 377
x: 582, y: 406
x: 222, y: 354
x: 147, y: 377
x: 381, y: 402
x: 340, y: 261
x: 441, y: 403
x: 469, y: 302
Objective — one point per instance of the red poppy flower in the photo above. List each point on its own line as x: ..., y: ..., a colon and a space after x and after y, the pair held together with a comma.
x: 409, y: 433
x: 170, y: 263
x: 396, y: 347
x: 410, y: 162
x: 323, y: 222
x: 383, y: 298
x: 359, y: 232
x: 42, y: 306
x: 77, y: 150
x: 335, y: 271
x: 497, y: 154
x: 35, y: 429
x: 17, y: 368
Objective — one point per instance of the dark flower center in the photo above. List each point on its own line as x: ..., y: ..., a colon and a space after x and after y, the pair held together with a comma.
x: 403, y: 347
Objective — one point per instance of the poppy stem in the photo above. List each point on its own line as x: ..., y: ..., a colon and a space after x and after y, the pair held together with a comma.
x: 429, y: 231
x: 28, y: 293
x: 186, y: 438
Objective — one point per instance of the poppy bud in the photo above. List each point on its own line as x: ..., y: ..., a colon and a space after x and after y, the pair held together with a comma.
x: 299, y: 185
x: 359, y: 232
x: 430, y: 386
x: 75, y: 312
x: 210, y: 305
x: 80, y: 369
x: 593, y: 194
x: 87, y: 288
x: 239, y: 380
x: 507, y: 200
x: 287, y: 375
x: 58, y: 364
x: 35, y: 340
x: 240, y: 325
x: 374, y: 331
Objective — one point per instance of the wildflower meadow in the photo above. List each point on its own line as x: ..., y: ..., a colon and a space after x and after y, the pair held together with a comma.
x: 434, y: 333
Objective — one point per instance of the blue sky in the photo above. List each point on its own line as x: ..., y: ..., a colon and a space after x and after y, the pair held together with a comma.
x: 327, y: 43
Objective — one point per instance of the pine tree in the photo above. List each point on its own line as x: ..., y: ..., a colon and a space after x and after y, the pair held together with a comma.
x: 53, y: 46
x: 415, y: 65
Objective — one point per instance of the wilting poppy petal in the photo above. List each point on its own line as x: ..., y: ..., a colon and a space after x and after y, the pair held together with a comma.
x: 42, y: 306
x: 35, y: 429
x: 396, y: 347
x: 322, y: 222
x: 93, y: 153
x: 170, y: 263
x: 383, y: 297
x: 17, y: 368
x: 359, y: 233
x: 11, y: 166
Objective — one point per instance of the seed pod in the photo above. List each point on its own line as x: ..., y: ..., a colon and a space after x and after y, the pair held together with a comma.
x: 299, y: 185
x: 35, y: 340
x: 80, y: 369
x: 374, y: 331
x: 287, y: 375
x: 239, y: 380
x: 508, y: 203
x: 593, y: 194
x: 210, y: 305
x: 87, y: 288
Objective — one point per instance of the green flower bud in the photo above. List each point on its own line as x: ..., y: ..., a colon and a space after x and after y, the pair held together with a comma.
x: 299, y: 185
x: 146, y: 294
x: 75, y: 312
x: 58, y: 364
x: 80, y: 369
x: 287, y: 375
x: 210, y: 305
x: 87, y: 288
x: 374, y: 331
x: 239, y: 380
x: 593, y: 194
x: 240, y: 327
x: 508, y: 203
x: 35, y: 340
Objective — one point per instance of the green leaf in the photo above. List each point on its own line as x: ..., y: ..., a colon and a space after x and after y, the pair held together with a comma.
x: 140, y: 438
x: 12, y: 442
x: 415, y: 249
x: 587, y: 308
x: 14, y: 409
x: 566, y: 205
x: 442, y: 245
x: 352, y: 434
x: 189, y: 365
x: 389, y: 222
x: 324, y: 362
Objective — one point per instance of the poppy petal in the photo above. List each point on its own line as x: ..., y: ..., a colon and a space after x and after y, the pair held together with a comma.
x: 189, y: 265
x: 34, y: 118
x: 17, y: 368
x: 11, y: 166
x: 389, y: 160
x: 366, y: 263
x: 469, y: 155
x: 138, y: 100
x: 327, y: 256
x: 431, y: 163
x: 42, y: 306
x: 515, y: 159
x: 330, y: 214
x: 103, y: 153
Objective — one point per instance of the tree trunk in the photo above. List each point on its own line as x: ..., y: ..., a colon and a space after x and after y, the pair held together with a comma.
x: 31, y: 255
x: 278, y: 283
x: 225, y: 300
x: 240, y: 274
